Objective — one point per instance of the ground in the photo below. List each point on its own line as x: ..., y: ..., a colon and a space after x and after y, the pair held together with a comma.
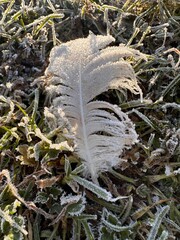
x: 43, y: 193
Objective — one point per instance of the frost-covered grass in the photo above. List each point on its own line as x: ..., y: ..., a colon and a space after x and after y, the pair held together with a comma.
x: 43, y: 194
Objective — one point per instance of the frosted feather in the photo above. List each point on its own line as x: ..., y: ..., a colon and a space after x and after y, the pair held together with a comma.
x: 79, y: 71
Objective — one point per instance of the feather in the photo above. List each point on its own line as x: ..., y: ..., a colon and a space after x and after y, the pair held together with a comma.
x: 79, y: 71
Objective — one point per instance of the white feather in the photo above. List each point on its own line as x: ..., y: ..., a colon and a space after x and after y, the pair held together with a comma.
x: 80, y: 70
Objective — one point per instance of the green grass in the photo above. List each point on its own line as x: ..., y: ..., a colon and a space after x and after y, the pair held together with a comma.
x: 42, y: 192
